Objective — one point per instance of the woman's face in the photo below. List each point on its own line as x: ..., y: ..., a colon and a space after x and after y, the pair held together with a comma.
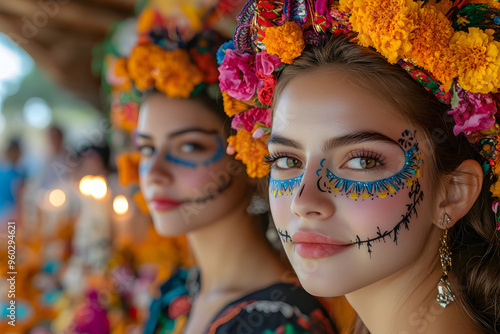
x: 187, y: 179
x: 349, y: 184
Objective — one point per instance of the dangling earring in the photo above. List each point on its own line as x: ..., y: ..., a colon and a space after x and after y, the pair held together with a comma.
x: 445, y: 296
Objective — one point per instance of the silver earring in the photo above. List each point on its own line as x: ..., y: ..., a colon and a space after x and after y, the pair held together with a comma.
x: 257, y: 206
x: 445, y: 296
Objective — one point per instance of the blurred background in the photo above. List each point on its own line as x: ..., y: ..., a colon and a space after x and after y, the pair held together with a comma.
x: 76, y: 238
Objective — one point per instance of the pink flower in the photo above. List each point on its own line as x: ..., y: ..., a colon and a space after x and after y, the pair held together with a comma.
x: 247, y: 119
x: 473, y: 112
x: 258, y: 133
x: 494, y: 206
x: 237, y: 75
x: 265, y: 64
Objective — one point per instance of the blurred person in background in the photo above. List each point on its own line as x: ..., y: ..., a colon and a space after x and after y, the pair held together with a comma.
x: 12, y: 178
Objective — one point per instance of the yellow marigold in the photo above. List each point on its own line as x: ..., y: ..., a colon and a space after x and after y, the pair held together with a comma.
x: 175, y: 74
x: 128, y: 167
x: 145, y: 21
x: 141, y: 65
x: 491, y: 3
x: 442, y: 6
x: 251, y: 152
x: 233, y: 106
x: 495, y: 189
x: 286, y: 41
x: 478, y: 60
x: 384, y: 25
x: 141, y: 202
x: 430, y: 45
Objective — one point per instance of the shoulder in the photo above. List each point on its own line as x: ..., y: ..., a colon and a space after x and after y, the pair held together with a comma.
x: 279, y: 308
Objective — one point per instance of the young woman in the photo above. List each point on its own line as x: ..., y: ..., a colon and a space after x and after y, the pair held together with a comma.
x: 382, y: 195
x: 192, y: 187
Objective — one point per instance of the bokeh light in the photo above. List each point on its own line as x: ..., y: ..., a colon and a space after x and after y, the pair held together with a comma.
x: 120, y: 204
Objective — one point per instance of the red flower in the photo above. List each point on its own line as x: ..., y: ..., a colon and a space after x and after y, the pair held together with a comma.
x: 265, y: 94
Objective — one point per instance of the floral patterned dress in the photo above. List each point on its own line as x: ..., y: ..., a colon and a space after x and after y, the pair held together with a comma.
x: 281, y: 308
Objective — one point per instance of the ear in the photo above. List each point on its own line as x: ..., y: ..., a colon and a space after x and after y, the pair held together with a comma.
x: 460, y: 191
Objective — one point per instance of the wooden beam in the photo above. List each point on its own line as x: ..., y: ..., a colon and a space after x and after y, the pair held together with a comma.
x: 70, y: 15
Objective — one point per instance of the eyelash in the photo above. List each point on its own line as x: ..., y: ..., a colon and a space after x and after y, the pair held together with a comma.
x: 367, y: 155
x: 272, y: 158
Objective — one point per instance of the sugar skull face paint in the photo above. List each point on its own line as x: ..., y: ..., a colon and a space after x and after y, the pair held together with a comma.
x: 284, y: 187
x: 187, y: 180
x: 329, y: 182
x: 329, y: 133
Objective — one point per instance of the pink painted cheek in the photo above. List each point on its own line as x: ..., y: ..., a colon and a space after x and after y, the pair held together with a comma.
x: 364, y: 216
x: 280, y: 210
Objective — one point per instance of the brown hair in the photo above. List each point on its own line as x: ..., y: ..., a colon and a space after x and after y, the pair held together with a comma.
x: 475, y: 242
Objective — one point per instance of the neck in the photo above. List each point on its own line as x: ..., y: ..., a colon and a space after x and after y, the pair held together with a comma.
x: 231, y: 251
x: 405, y: 302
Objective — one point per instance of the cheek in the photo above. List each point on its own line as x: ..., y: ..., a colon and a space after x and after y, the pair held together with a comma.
x: 280, y: 209
x: 367, y: 216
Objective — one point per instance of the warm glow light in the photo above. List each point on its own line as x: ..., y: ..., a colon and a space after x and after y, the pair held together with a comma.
x: 98, y: 187
x: 57, y: 197
x: 120, y: 205
x: 85, y: 185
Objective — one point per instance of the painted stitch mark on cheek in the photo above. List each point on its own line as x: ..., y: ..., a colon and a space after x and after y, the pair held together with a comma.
x: 284, y: 187
x: 416, y: 196
x: 285, y: 237
x: 329, y: 182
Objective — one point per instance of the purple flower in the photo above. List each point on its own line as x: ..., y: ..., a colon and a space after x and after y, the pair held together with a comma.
x: 247, y: 119
x: 265, y: 64
x: 473, y: 112
x: 237, y: 75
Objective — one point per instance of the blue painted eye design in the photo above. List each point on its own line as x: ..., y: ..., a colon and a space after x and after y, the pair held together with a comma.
x: 329, y: 182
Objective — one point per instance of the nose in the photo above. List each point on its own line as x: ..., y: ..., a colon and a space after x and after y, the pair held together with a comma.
x: 155, y: 171
x: 309, y: 201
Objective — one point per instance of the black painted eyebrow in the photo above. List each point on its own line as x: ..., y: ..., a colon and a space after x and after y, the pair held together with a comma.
x: 356, y: 138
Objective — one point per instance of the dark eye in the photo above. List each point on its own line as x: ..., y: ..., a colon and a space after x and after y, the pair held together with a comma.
x: 146, y: 151
x: 191, y: 147
x: 288, y: 162
x: 362, y: 163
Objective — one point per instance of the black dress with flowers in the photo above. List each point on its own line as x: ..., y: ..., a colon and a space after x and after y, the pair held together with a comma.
x: 281, y: 308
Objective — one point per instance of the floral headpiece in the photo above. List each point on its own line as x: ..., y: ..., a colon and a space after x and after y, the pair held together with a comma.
x: 451, y: 48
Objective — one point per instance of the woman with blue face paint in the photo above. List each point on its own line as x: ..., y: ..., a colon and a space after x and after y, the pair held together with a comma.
x: 240, y: 283
x: 383, y: 151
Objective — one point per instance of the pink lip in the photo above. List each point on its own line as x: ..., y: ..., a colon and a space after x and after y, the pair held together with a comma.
x: 314, y: 245
x: 164, y: 204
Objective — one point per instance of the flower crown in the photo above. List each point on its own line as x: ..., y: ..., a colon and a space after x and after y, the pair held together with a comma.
x: 450, y: 47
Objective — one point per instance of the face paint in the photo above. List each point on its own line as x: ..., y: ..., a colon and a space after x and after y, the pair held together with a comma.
x: 210, y: 196
x: 284, y: 187
x: 219, y: 154
x: 285, y: 237
x: 416, y: 196
x: 329, y: 182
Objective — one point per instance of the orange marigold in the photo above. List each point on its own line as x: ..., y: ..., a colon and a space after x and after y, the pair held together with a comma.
x: 478, y: 60
x: 430, y: 45
x: 141, y: 65
x: 251, y: 152
x: 141, y: 202
x: 145, y: 21
x: 233, y: 106
x: 128, y: 167
x: 175, y: 74
x: 286, y: 41
x: 385, y: 25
